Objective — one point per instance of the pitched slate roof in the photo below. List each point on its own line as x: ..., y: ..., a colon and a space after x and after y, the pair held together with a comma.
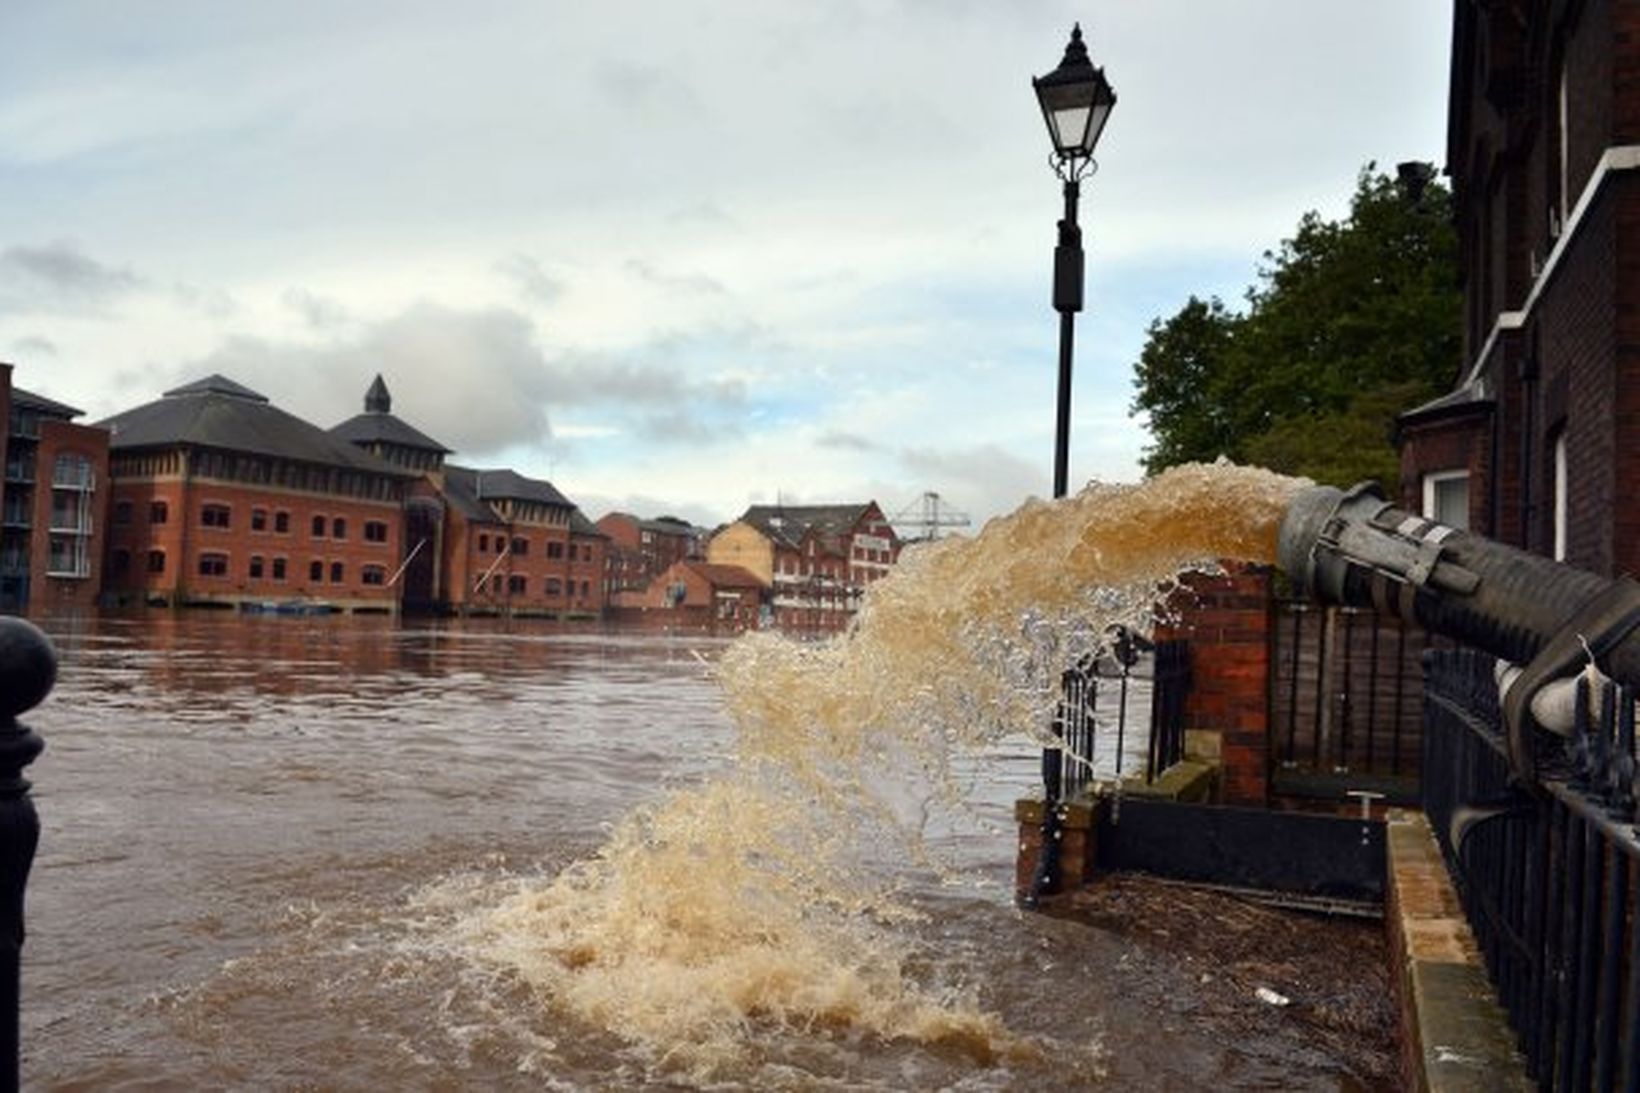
x: 470, y: 492
x: 506, y: 485
x: 378, y: 424
x: 216, y: 412
x: 1470, y: 397
x: 458, y: 492
x: 42, y: 405
x: 218, y: 384
x: 580, y: 525
x: 788, y: 524
x: 724, y: 576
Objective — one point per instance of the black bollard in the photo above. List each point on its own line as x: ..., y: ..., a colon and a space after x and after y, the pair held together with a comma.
x: 28, y: 668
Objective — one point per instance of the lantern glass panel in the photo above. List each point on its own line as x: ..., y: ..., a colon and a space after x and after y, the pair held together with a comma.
x: 1070, y: 129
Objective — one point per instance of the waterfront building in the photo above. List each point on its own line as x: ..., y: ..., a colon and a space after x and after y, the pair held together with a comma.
x: 54, y: 500
x: 491, y: 542
x: 588, y: 554
x: 423, y: 578
x: 692, y: 594
x: 1536, y: 444
x: 640, y: 550
x: 218, y: 497
x: 513, y: 546
x: 817, y: 560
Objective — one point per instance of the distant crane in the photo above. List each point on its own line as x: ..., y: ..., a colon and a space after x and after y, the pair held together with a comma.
x: 928, y: 514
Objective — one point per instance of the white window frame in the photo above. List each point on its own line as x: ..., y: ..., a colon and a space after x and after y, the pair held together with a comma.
x: 1558, y: 496
x: 1433, y: 478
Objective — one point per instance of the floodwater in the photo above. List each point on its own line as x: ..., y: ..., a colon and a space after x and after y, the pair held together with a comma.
x: 354, y: 854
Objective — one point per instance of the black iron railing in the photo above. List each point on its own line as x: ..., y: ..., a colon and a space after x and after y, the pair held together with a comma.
x: 1345, y: 690
x: 1547, y: 874
x: 1125, y: 710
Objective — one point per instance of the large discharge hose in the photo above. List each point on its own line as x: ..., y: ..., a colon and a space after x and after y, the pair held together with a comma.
x: 1353, y: 548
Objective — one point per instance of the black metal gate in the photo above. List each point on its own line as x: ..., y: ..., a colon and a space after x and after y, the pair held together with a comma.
x: 1345, y: 700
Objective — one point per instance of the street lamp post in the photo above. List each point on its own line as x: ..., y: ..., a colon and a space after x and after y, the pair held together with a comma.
x: 1076, y: 101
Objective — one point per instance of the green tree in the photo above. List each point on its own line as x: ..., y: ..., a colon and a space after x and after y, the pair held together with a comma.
x: 1350, y: 323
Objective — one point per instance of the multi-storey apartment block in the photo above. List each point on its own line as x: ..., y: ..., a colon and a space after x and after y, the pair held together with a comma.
x: 52, y: 504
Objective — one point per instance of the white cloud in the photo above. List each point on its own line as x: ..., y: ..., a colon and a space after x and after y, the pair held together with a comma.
x: 755, y: 248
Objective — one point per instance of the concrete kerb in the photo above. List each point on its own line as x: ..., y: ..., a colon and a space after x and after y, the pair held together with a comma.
x: 1454, y: 1034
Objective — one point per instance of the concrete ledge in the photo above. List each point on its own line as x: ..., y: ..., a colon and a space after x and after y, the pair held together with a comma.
x: 1188, y: 780
x: 1454, y: 1035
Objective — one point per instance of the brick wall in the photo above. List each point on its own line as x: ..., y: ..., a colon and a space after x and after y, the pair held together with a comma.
x: 1577, y: 326
x: 183, y: 537
x: 1227, y: 621
x: 1449, y: 444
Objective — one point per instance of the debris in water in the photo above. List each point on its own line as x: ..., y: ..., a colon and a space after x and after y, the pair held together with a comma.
x: 1270, y: 997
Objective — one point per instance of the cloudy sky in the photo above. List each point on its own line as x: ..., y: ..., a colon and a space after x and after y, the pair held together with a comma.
x: 679, y: 256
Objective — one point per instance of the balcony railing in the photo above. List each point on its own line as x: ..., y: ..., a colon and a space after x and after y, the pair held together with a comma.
x: 71, y: 523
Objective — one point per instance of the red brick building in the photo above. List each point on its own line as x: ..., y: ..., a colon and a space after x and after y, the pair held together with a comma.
x: 640, y: 550
x: 515, y: 545
x: 53, y: 504
x: 698, y: 595
x: 817, y: 559
x: 1538, y: 443
x: 481, y: 541
x: 219, y: 497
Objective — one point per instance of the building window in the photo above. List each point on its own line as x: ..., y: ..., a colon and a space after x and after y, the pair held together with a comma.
x: 1557, y: 496
x: 338, y: 528
x: 259, y: 519
x: 373, y: 575
x: 279, y: 569
x: 375, y: 531
x: 1446, y: 498
x: 122, y: 512
x: 483, y: 543
x: 156, y: 561
x: 585, y: 588
x: 335, y: 572
x: 158, y: 512
x: 214, y: 516
x: 1563, y: 147
x: 256, y: 567
x: 213, y: 565
x: 281, y: 523
x: 318, y: 527
x: 516, y: 584
x: 316, y: 571
x: 520, y: 546
x: 555, y: 550
x: 554, y: 587
x: 120, y: 563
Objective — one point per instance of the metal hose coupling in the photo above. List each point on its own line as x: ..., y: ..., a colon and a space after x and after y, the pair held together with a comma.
x: 1352, y: 548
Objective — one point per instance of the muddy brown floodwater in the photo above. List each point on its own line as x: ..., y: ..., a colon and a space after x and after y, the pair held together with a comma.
x: 358, y: 854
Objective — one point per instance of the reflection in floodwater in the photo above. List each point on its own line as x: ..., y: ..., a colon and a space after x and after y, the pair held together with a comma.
x: 352, y: 854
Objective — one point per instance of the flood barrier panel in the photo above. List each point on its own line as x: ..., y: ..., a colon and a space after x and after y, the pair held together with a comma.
x: 1313, y: 856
